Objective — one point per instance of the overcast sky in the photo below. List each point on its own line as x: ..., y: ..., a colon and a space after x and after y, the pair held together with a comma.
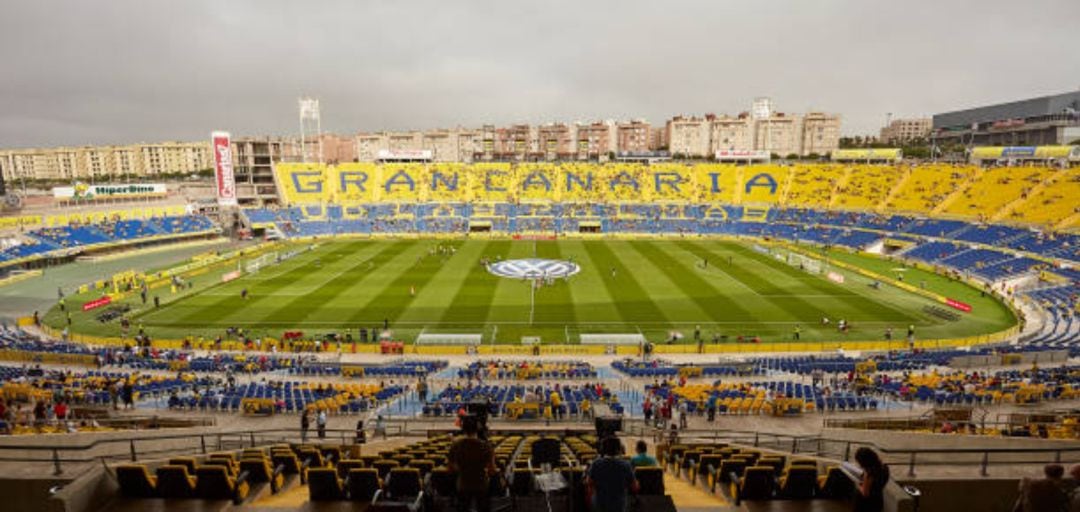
x: 107, y: 71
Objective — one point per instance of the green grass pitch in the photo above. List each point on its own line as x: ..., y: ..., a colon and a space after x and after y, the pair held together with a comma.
x: 659, y: 287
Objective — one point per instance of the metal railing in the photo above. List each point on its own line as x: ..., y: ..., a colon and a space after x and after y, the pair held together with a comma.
x: 844, y: 449
x: 149, y: 447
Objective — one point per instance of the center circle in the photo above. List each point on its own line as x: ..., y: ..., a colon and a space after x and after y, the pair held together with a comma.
x: 534, y: 268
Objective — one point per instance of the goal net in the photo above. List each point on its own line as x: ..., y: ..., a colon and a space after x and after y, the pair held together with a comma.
x: 802, y: 262
x: 253, y: 266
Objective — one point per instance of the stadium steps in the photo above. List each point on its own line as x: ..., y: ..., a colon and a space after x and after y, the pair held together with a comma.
x: 737, y: 198
x: 955, y: 195
x: 785, y: 188
x: 1071, y: 220
x: 1015, y: 204
x: 900, y: 183
x: 839, y: 185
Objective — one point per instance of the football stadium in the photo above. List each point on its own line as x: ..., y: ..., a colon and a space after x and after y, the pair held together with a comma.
x: 483, y: 263
x: 747, y: 332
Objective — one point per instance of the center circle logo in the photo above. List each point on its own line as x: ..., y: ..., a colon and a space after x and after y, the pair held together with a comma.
x: 534, y: 268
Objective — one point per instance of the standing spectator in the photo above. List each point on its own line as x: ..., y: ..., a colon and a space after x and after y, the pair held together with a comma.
x: 871, y: 492
x: 684, y: 413
x: 421, y: 390
x: 39, y: 412
x: 320, y: 423
x: 610, y: 478
x: 114, y: 395
x: 474, y: 462
x: 361, y: 435
x: 1044, y: 495
x: 128, y: 392
x: 305, y: 425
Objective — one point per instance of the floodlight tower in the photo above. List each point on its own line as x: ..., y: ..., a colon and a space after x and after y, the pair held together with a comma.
x: 310, y: 131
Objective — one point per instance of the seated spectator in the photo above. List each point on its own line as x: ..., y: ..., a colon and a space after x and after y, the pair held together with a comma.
x: 642, y: 458
x: 871, y: 492
x: 1045, y: 494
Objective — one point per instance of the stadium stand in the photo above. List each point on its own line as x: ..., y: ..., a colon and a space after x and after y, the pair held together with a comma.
x: 46, y: 240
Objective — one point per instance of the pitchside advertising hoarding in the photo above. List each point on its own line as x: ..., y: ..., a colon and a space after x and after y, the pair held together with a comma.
x: 82, y: 191
x: 730, y: 155
x: 404, y: 154
x: 955, y: 304
x: 223, y: 169
x: 97, y: 303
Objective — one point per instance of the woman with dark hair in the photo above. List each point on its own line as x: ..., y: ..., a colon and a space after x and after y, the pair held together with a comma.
x: 871, y: 492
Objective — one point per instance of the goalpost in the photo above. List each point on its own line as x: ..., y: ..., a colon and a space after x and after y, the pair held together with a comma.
x: 253, y: 266
x: 808, y: 264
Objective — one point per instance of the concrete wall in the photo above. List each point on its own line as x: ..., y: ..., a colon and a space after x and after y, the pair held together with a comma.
x: 983, y: 495
x: 1026, y: 359
x: 27, y: 494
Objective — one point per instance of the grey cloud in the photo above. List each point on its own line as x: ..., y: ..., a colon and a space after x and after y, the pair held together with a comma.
x: 80, y: 72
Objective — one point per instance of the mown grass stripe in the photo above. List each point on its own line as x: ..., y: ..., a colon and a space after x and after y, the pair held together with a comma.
x: 630, y: 298
x: 431, y: 303
x: 299, y: 308
x: 866, y: 305
x: 261, y: 292
x: 396, y: 297
x: 553, y: 302
x: 710, y: 300
x: 510, y: 302
x: 472, y: 302
x: 795, y: 307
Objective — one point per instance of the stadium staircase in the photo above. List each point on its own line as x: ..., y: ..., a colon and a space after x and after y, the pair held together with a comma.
x: 1006, y: 211
x: 834, y: 197
x: 895, y: 190
x: 954, y: 196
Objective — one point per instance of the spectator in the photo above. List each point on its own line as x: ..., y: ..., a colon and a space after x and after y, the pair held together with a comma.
x: 1072, y: 486
x: 128, y: 392
x: 320, y: 423
x: 610, y: 478
x: 421, y: 390
x: 361, y: 435
x: 642, y: 458
x: 305, y: 425
x: 871, y: 492
x: 1044, y: 495
x: 474, y: 462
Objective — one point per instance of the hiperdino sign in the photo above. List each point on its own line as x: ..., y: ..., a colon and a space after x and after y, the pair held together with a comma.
x: 84, y: 191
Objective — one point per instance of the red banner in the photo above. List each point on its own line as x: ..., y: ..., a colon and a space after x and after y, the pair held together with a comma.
x: 223, y: 169
x: 97, y: 303
x: 953, y: 303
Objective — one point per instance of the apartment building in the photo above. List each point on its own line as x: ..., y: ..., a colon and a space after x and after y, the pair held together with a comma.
x: 776, y: 132
x: 557, y: 140
x: 92, y: 163
x: 903, y: 130
x: 690, y: 136
x: 732, y: 133
x: 595, y: 140
x: 633, y: 136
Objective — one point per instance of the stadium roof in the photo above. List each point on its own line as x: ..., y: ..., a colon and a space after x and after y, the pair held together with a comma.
x: 1068, y: 102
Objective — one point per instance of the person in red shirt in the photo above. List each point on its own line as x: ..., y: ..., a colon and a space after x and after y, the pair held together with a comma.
x: 61, y: 410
